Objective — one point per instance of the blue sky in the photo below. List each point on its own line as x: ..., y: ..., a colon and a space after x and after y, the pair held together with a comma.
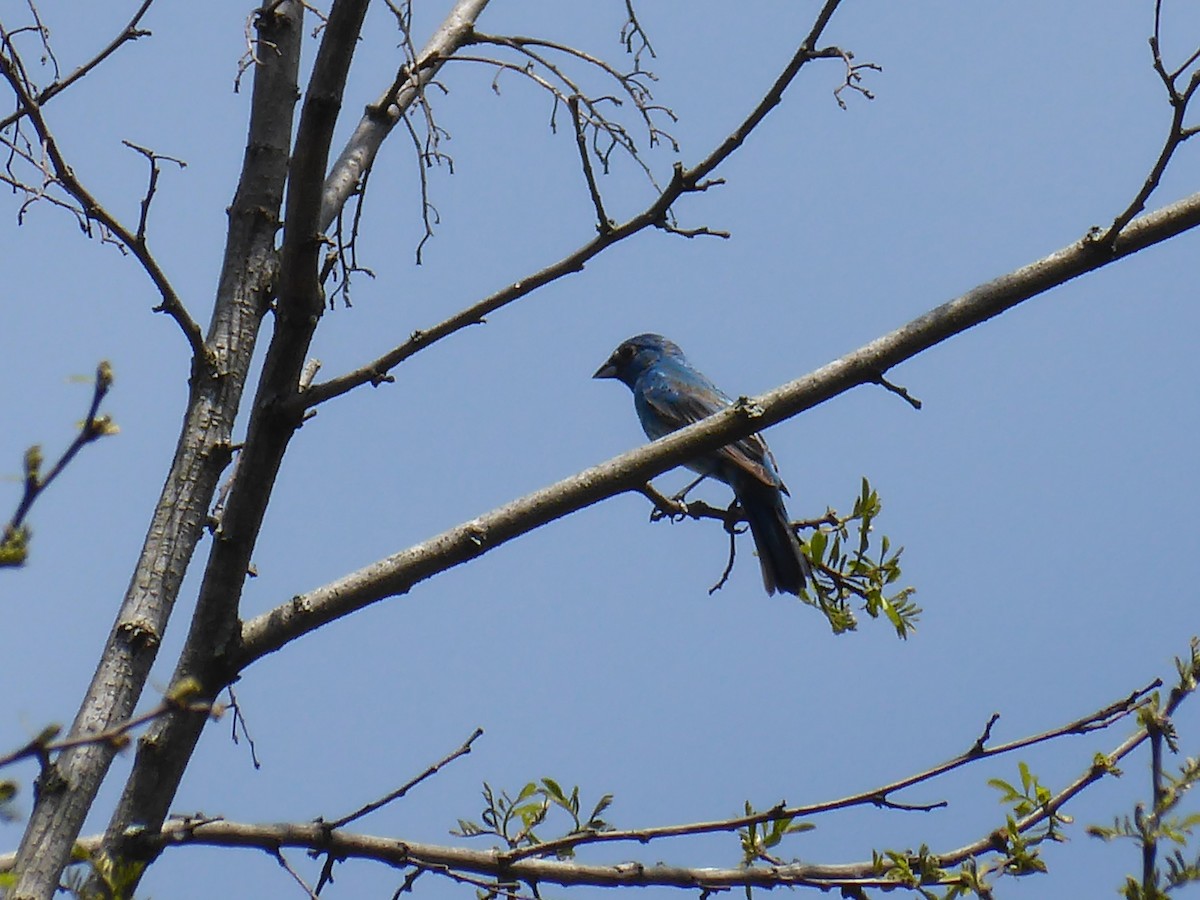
x: 1045, y: 494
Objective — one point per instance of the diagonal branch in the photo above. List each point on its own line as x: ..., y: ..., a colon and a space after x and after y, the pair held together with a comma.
x: 462, y: 750
x: 117, y: 736
x: 500, y: 870
x: 880, y: 796
x: 1100, y: 767
x: 398, y: 573
x: 92, y: 209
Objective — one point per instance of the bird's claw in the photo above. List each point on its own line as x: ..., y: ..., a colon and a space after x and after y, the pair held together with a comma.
x: 677, y: 510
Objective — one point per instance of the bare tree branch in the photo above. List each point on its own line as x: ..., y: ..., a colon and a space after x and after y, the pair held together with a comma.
x: 397, y: 574
x: 381, y: 117
x: 563, y: 87
x: 65, y: 177
x: 465, y: 748
x: 631, y: 33
x: 45, y: 743
x: 1177, y: 133
x: 131, y: 32
x: 151, y: 185
x: 603, y: 223
x: 391, y: 797
x: 202, y: 452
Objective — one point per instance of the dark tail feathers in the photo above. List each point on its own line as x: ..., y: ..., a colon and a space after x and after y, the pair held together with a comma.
x: 784, y: 567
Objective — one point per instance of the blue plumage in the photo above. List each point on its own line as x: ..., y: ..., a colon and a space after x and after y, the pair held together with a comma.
x: 668, y: 393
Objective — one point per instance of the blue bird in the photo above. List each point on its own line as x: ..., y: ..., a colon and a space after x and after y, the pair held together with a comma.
x: 668, y: 393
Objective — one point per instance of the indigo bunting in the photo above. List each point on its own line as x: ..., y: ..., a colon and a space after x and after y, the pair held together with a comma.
x: 668, y: 393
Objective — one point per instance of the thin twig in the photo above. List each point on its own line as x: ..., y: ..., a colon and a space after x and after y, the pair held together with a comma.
x: 728, y: 565
x: 462, y: 750
x: 152, y: 158
x: 632, y: 30
x: 238, y: 722
x: 854, y: 78
x: 287, y: 867
x: 633, y: 84
x: 117, y: 736
x: 44, y: 34
x: 977, y: 748
x: 427, y: 208
x: 898, y: 391
x: 603, y: 224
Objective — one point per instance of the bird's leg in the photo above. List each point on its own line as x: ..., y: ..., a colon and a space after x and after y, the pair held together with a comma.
x: 664, y: 506
x: 734, y: 516
x: 679, y: 497
x: 674, y: 506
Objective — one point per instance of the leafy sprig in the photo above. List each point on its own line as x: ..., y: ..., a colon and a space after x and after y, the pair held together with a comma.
x: 845, y: 567
x: 514, y: 819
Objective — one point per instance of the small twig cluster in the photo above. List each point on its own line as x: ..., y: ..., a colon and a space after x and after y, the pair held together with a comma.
x: 854, y: 78
x: 14, y: 539
x: 1180, y: 84
x: 634, y: 37
x: 605, y: 134
x: 1163, y: 821
x: 131, y: 32
x: 37, y: 169
x: 598, y: 132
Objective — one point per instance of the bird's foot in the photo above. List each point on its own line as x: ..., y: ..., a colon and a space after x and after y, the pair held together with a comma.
x: 673, y: 508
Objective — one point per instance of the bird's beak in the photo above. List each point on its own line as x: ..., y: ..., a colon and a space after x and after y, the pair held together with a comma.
x: 608, y: 370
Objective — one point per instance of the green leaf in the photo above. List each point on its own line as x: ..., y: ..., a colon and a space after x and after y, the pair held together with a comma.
x: 555, y: 792
x: 816, y: 545
x: 604, y: 803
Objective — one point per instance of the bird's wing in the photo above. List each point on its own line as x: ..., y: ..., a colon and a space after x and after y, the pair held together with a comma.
x: 679, y: 398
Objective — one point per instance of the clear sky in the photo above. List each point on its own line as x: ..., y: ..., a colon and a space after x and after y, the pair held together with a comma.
x: 1045, y: 494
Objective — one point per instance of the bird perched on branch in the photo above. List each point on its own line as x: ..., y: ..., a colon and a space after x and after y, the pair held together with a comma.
x: 668, y: 393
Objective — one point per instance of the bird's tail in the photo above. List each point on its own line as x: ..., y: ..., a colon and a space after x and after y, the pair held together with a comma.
x: 784, y: 567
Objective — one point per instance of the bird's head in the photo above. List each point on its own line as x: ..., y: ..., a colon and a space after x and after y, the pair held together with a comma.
x: 635, y: 356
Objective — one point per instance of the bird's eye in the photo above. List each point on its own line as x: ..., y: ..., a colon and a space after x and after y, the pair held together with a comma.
x: 625, y: 352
